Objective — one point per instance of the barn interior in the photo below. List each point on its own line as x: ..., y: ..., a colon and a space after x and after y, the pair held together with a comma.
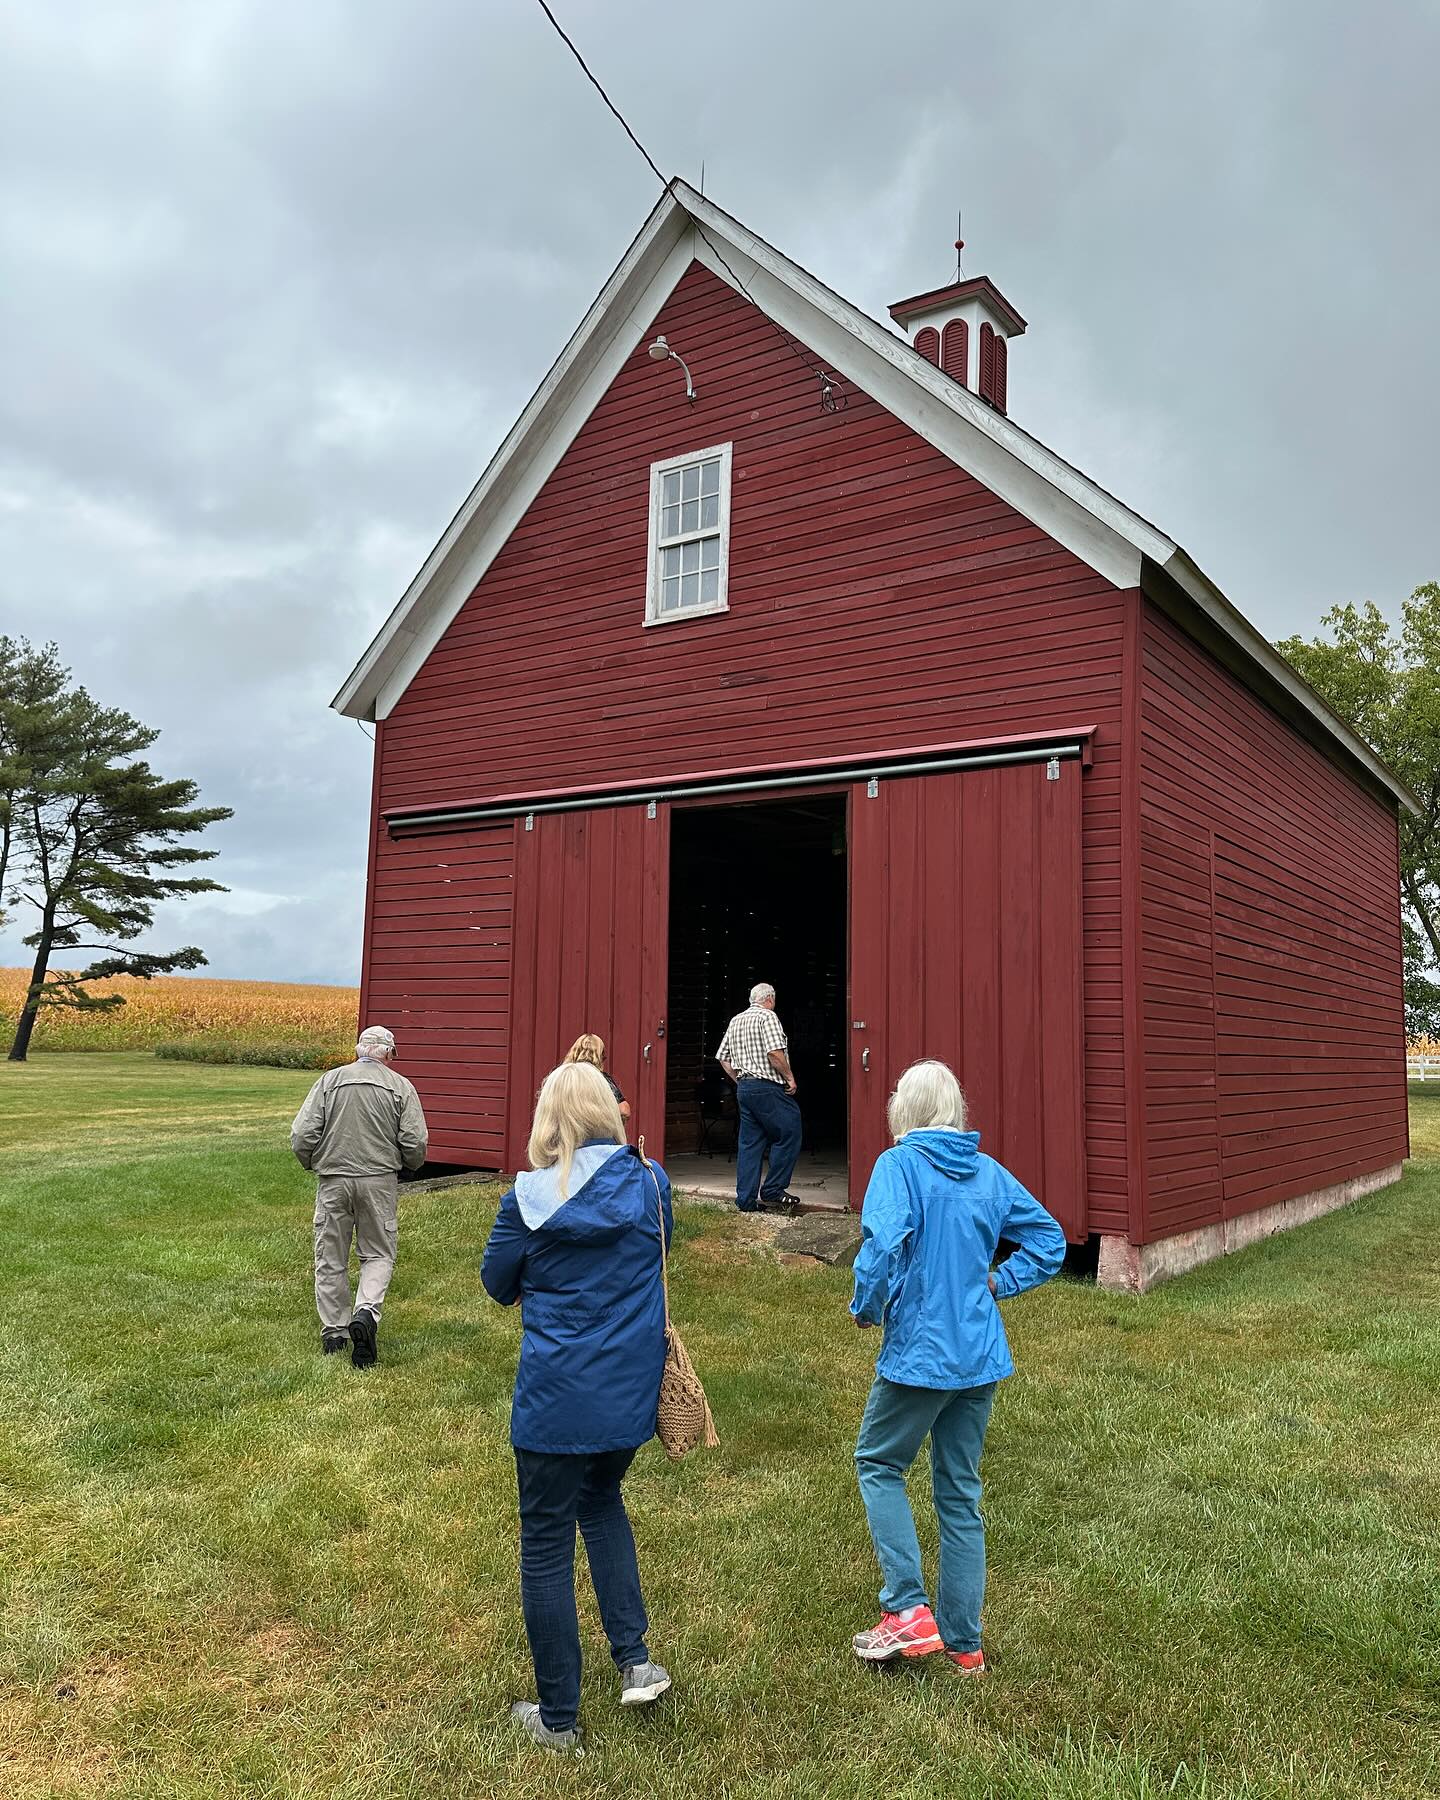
x: 758, y: 892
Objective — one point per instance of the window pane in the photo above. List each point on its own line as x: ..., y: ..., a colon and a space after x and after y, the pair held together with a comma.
x: 669, y: 595
x: 709, y: 512
x: 690, y: 516
x: 692, y: 482
x: 689, y: 590
x: 690, y: 557
x: 710, y: 478
x: 710, y: 553
x: 670, y: 522
x: 709, y: 585
x: 672, y: 488
x: 670, y: 560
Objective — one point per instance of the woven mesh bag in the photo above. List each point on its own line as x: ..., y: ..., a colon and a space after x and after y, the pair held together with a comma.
x: 683, y: 1422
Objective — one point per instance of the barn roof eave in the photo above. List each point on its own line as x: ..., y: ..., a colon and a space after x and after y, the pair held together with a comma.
x: 1078, y: 512
x: 1181, y: 588
x: 362, y: 694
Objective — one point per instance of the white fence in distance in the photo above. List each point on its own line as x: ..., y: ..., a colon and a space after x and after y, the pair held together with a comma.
x: 1422, y: 1068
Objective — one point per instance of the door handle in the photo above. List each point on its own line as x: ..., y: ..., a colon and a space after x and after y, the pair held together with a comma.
x: 647, y: 1053
x: 865, y: 1061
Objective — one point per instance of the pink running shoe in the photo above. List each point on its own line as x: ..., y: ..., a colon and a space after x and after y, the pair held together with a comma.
x: 968, y: 1662
x: 909, y: 1633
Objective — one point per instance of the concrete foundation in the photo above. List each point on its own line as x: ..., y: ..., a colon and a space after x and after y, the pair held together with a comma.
x: 1133, y: 1268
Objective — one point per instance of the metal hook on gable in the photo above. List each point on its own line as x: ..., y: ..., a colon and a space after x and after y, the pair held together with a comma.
x: 833, y: 397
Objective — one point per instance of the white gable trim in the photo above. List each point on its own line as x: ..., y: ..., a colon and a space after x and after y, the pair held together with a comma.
x: 1093, y: 525
x: 1014, y: 467
x: 609, y: 333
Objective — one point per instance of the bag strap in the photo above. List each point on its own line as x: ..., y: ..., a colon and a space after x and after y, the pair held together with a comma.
x: 660, y: 1207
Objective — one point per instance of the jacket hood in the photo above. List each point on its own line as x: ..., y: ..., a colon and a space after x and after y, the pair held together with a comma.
x: 602, y: 1202
x: 953, y: 1153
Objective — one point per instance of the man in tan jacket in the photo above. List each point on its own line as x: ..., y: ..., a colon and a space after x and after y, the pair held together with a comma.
x: 358, y: 1128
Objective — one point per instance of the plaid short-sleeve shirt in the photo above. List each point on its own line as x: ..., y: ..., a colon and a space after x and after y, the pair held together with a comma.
x: 748, y: 1039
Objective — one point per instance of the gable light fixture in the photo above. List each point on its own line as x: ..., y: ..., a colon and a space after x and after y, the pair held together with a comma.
x: 660, y: 351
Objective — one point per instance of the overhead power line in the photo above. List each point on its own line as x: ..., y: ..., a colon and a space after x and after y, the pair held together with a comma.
x: 569, y: 43
x: 833, y: 397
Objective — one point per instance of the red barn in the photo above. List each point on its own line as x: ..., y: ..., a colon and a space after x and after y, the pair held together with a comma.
x: 768, y: 647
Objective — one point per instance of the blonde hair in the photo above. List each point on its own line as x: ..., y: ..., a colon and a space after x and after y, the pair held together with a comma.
x: 587, y: 1048
x: 574, y: 1106
x: 927, y: 1097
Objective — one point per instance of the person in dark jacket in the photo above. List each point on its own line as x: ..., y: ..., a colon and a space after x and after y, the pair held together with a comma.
x: 577, y: 1242
x: 934, y: 1212
x: 588, y: 1048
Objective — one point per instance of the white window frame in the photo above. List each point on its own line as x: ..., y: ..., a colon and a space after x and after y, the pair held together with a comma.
x: 658, y: 471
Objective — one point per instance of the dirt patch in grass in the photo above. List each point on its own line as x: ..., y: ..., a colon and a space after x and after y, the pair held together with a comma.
x: 43, y: 1758
x: 744, y: 1239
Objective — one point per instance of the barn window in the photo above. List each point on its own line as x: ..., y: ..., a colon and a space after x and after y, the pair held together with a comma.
x: 689, y: 535
x: 927, y: 342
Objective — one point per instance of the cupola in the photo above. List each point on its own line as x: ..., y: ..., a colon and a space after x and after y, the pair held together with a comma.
x: 964, y: 329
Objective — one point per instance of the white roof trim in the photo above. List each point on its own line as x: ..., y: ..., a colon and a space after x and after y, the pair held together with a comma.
x: 609, y: 333
x: 1092, y: 524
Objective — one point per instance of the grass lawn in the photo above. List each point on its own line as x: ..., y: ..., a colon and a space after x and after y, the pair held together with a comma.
x: 231, y: 1567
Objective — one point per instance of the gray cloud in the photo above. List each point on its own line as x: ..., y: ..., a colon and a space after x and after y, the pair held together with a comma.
x: 278, y: 279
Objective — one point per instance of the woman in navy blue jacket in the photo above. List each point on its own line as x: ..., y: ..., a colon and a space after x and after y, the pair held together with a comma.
x: 934, y: 1212
x: 577, y: 1242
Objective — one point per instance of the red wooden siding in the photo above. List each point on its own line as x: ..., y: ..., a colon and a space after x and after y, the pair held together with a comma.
x: 965, y: 945
x: 955, y: 351
x: 927, y: 342
x: 1274, y: 1055
x: 591, y: 920
x: 1177, y: 971
x: 879, y: 597
x: 437, y: 972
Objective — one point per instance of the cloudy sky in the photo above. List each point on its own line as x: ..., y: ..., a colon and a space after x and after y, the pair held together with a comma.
x: 275, y: 279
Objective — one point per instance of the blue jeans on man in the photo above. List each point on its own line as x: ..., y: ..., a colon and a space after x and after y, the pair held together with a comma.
x: 557, y: 1493
x: 897, y: 1421
x: 769, y: 1121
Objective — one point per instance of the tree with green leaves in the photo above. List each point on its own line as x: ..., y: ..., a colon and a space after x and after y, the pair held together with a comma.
x: 91, y: 837
x: 1386, y: 684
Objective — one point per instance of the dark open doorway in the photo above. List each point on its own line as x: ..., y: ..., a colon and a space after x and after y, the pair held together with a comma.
x: 758, y: 893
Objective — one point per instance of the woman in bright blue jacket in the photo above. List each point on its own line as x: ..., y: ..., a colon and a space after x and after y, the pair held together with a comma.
x: 934, y: 1212
x: 577, y: 1242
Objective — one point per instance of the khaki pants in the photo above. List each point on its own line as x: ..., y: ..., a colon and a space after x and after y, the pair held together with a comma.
x: 362, y: 1207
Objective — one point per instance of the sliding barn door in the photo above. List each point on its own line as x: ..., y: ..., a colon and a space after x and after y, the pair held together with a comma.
x: 965, y: 945
x: 592, y: 901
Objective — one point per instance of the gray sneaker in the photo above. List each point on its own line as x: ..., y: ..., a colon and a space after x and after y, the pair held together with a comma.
x: 643, y: 1683
x: 526, y: 1714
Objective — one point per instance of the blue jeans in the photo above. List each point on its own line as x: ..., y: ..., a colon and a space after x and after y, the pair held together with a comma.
x: 896, y: 1423
x: 556, y: 1494
x: 769, y: 1119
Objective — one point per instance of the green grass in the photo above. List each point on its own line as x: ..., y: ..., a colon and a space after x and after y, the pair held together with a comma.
x: 231, y: 1567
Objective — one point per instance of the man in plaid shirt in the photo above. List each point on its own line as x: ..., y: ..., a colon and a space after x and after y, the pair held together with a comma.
x: 753, y: 1053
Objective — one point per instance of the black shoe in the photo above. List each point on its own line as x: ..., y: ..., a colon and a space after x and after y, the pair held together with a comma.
x: 787, y: 1203
x: 332, y: 1342
x: 363, y: 1328
x: 747, y: 1206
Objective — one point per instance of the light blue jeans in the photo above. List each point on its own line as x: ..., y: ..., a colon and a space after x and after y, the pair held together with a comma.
x: 897, y: 1421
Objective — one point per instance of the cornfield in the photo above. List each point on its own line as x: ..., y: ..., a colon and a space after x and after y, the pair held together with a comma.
x: 183, y: 1009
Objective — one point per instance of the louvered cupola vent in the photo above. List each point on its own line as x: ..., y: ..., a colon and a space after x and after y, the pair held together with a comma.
x: 965, y: 330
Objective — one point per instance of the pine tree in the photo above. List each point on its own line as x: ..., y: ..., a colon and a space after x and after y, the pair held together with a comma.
x: 92, y: 835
